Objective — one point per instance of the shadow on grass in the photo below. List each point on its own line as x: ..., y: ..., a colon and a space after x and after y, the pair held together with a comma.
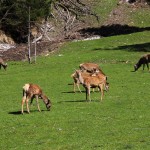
x: 73, y: 101
x: 19, y: 112
x: 112, y: 30
x: 117, y: 29
x: 79, y: 101
x: 15, y: 113
x: 73, y: 92
x: 145, y: 47
x: 68, y: 92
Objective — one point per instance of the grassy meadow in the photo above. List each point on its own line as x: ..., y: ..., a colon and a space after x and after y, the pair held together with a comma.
x: 121, y: 121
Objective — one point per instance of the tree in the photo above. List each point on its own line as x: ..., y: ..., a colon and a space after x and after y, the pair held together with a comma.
x: 14, y: 14
x: 69, y: 10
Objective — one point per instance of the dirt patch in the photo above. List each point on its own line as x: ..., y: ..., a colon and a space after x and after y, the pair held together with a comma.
x: 20, y: 52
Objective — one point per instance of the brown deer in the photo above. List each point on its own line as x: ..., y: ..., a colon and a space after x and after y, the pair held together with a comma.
x: 31, y: 91
x: 104, y: 77
x: 93, y: 81
x: 77, y: 82
x: 93, y: 68
x: 142, y: 61
x: 90, y: 67
x: 3, y: 64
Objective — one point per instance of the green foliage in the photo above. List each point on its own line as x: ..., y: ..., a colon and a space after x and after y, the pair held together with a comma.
x: 14, y: 16
x: 18, y: 8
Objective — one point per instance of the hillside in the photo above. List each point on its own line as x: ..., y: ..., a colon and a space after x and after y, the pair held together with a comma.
x: 115, y: 19
x: 120, y: 122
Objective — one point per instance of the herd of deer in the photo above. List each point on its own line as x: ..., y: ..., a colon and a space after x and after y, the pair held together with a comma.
x: 89, y: 75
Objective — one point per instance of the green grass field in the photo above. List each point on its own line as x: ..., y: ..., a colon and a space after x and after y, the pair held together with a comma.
x: 121, y: 121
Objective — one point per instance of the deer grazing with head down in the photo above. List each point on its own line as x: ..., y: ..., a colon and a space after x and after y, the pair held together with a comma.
x: 93, y: 82
x: 142, y: 61
x: 31, y: 91
x: 3, y: 64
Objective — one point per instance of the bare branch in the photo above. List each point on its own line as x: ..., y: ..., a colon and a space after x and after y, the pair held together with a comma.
x: 6, y: 13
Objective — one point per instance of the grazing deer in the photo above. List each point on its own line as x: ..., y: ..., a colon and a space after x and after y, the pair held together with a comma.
x: 93, y: 81
x: 142, y: 61
x: 31, y: 91
x: 90, y: 67
x: 3, y: 64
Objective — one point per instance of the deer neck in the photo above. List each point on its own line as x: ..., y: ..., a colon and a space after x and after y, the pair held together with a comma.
x: 46, y: 101
x: 139, y: 64
x: 44, y: 97
x: 81, y: 78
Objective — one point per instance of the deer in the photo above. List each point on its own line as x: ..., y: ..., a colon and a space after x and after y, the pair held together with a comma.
x: 142, y: 61
x: 3, y: 64
x: 93, y: 68
x: 104, y: 77
x: 93, y: 81
x: 77, y: 82
x: 31, y: 91
x: 90, y: 67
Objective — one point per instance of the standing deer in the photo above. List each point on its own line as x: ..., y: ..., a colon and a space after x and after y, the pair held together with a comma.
x: 93, y: 68
x: 142, y: 61
x: 93, y: 81
x: 76, y: 79
x: 76, y: 82
x: 31, y: 91
x: 104, y: 77
x: 3, y: 64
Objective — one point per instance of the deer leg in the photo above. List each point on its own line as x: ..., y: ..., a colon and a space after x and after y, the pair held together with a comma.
x: 74, y: 88
x: 88, y: 93
x: 38, y: 103
x: 147, y: 66
x: 23, y: 100
x: 143, y: 66
x: 3, y: 65
x: 102, y: 91
x: 86, y: 90
x: 31, y: 100
x: 78, y: 87
x: 27, y: 100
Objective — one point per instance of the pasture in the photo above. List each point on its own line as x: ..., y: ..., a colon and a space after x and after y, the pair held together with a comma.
x: 121, y: 121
